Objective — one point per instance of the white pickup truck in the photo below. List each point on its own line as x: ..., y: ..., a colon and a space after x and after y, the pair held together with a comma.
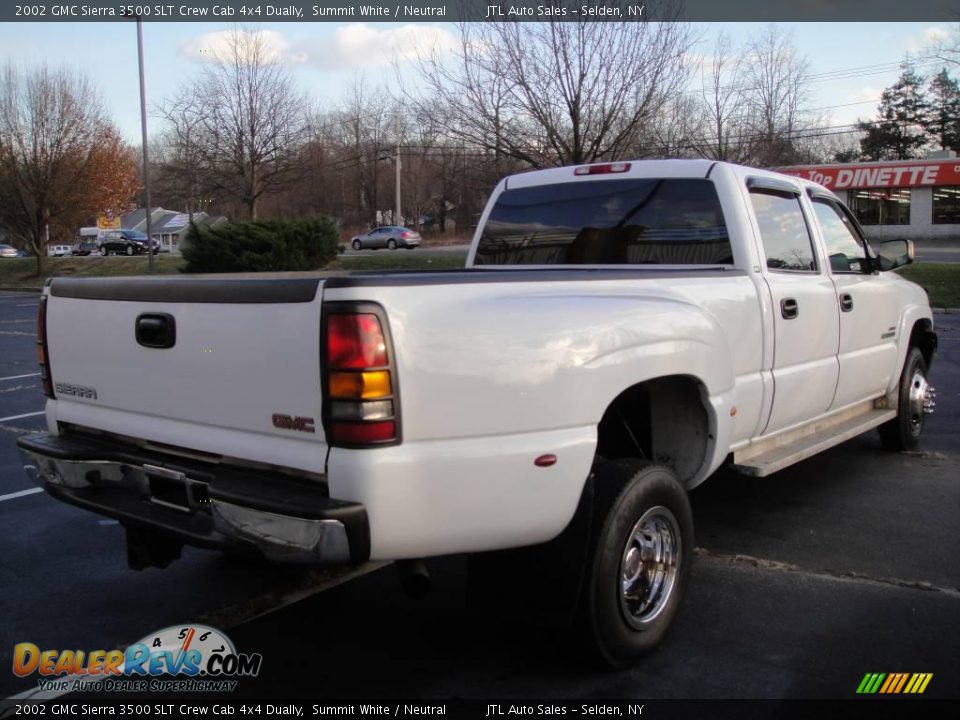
x: 620, y: 331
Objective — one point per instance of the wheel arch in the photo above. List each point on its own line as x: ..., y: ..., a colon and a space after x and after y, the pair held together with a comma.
x: 924, y: 338
x: 668, y: 420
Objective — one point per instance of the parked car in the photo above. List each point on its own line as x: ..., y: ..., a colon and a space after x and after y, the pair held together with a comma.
x: 389, y: 236
x: 126, y: 242
x: 59, y: 250
x: 85, y: 248
x: 8, y: 251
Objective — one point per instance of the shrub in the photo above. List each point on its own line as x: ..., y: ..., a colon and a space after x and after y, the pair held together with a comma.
x: 261, y: 246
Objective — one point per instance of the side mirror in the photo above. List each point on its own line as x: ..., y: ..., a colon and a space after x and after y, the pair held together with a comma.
x: 894, y: 253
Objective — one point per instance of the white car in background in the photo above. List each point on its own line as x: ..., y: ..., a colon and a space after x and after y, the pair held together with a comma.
x: 8, y: 251
x: 60, y: 250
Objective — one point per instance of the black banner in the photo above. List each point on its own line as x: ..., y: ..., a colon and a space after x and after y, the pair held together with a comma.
x: 481, y: 10
x: 72, y: 705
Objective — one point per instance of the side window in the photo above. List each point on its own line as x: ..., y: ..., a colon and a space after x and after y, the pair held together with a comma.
x: 841, y: 240
x: 783, y: 231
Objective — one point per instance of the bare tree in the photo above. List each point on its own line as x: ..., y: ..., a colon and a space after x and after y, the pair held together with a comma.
x: 723, y: 118
x: 775, y: 85
x: 556, y: 92
x: 61, y: 161
x: 250, y: 119
x: 182, y: 176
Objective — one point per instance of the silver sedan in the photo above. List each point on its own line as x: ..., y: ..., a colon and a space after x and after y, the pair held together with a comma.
x: 389, y: 236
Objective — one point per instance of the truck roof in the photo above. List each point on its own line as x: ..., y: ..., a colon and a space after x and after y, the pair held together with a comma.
x: 672, y: 168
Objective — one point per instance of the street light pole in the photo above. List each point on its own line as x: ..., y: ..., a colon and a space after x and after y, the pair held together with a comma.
x: 143, y: 130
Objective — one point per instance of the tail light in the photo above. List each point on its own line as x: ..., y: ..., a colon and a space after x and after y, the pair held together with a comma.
x: 43, y: 355
x: 361, y: 403
x: 406, y: 234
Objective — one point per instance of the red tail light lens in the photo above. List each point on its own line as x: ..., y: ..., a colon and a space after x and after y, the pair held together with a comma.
x: 355, y: 342
x: 43, y: 356
x: 364, y: 433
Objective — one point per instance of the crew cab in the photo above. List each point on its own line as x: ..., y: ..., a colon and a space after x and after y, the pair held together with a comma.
x: 619, y: 332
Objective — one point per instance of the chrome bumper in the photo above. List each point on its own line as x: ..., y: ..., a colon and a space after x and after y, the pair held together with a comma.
x: 239, y: 513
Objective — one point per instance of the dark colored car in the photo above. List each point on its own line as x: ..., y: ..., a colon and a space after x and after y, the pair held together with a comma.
x: 127, y: 242
x: 85, y: 248
x: 389, y: 236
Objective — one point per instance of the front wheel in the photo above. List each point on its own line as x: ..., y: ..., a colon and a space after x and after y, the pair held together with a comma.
x: 357, y: 245
x: 639, y: 560
x: 129, y: 250
x: 915, y: 400
x: 391, y: 244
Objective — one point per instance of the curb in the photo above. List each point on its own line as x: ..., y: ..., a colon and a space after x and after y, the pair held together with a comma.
x: 946, y: 311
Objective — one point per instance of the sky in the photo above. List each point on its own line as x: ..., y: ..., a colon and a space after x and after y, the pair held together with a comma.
x: 326, y: 58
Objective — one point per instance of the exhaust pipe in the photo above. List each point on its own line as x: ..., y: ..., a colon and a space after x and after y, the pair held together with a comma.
x: 414, y: 578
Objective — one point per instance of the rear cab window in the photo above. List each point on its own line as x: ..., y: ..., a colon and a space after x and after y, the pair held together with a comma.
x: 631, y: 221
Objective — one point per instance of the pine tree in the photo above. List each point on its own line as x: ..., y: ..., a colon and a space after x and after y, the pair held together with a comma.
x: 943, y: 123
x: 899, y: 132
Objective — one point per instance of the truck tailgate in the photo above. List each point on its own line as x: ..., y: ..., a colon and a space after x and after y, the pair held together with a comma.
x: 241, y: 375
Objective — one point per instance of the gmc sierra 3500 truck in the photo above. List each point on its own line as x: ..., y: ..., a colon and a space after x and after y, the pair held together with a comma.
x: 619, y: 332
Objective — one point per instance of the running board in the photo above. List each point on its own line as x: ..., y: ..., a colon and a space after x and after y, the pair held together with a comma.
x: 768, y: 456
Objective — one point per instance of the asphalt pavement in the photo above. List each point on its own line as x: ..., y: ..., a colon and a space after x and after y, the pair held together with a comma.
x: 844, y: 564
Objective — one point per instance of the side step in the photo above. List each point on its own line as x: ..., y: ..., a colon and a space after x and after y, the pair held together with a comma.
x: 768, y: 456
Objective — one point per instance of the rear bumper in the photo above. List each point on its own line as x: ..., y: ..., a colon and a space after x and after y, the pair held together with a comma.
x: 241, y: 510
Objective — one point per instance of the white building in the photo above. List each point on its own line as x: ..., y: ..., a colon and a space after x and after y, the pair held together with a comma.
x: 896, y: 199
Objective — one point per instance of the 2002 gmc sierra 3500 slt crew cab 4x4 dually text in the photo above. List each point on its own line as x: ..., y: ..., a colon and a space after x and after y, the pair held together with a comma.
x: 620, y: 331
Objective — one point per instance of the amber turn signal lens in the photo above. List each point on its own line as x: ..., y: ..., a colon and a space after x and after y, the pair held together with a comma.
x: 367, y: 385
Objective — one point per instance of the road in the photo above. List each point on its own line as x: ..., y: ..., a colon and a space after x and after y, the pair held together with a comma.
x: 803, y: 582
x: 937, y: 254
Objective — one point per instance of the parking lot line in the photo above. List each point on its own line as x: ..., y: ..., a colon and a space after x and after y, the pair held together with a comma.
x: 19, y: 377
x: 22, y: 493
x: 25, y: 415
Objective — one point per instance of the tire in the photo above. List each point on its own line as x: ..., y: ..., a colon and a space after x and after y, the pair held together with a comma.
x: 903, y: 432
x: 129, y: 250
x: 640, y: 509
x: 357, y: 245
x: 391, y: 244
x: 103, y: 251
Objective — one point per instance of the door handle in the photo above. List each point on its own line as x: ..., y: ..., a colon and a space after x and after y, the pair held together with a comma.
x: 156, y: 330
x: 846, y: 302
x: 789, y: 308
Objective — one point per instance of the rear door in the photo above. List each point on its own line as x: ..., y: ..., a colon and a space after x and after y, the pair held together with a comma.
x: 805, y: 323
x: 230, y: 367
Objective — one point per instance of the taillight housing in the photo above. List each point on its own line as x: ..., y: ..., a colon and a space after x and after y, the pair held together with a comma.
x: 43, y: 354
x: 361, y: 400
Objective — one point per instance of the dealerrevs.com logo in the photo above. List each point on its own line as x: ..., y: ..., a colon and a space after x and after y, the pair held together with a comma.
x: 180, y: 658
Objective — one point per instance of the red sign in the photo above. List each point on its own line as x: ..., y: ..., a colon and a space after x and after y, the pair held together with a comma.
x: 901, y: 173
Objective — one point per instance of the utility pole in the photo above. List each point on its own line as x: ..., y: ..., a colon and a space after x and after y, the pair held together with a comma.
x: 397, y: 220
x: 143, y: 130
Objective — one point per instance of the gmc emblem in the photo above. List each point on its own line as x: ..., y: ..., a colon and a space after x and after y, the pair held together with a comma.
x: 300, y: 424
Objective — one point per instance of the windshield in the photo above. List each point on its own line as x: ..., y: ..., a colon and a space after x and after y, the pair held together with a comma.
x: 134, y: 235
x: 607, y: 222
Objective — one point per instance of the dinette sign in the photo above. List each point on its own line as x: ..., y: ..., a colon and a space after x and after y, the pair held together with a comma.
x: 876, y: 175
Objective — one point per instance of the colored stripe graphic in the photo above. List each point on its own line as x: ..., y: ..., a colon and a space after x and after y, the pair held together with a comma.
x: 894, y: 683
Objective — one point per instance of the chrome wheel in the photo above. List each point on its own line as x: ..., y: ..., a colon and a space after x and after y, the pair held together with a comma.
x: 649, y: 566
x: 920, y: 400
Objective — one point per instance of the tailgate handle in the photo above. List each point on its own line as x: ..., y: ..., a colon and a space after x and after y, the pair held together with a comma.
x: 156, y: 330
